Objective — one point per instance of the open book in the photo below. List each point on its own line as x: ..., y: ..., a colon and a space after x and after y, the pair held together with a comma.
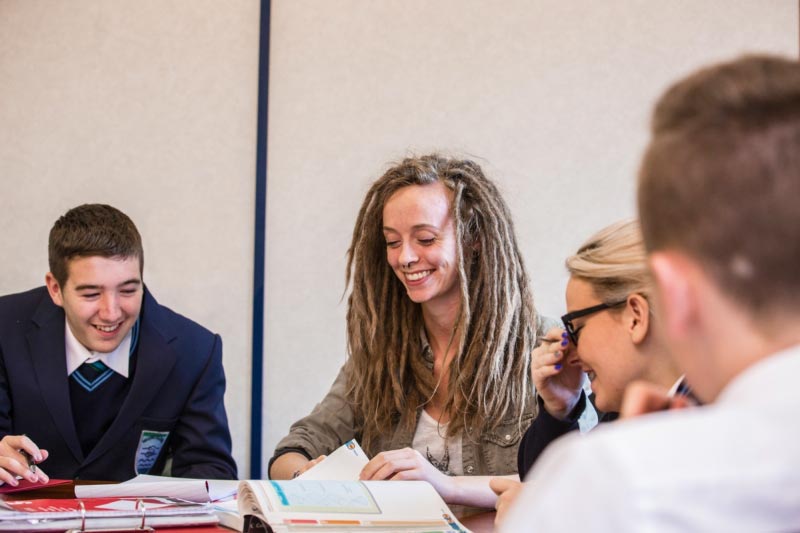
x: 329, y: 496
x: 96, y: 513
x: 341, y: 506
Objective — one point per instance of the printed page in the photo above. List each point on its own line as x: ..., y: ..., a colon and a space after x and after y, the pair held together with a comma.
x: 322, y: 497
x: 346, y: 462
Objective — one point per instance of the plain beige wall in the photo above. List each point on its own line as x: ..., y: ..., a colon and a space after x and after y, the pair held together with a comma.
x: 551, y: 97
x: 148, y: 105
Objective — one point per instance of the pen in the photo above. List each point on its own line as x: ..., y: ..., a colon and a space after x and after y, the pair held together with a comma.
x: 680, y: 388
x: 543, y: 339
x: 547, y: 339
x: 29, y: 458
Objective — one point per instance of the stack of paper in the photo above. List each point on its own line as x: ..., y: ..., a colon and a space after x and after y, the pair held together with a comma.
x: 193, y: 490
x: 95, y: 513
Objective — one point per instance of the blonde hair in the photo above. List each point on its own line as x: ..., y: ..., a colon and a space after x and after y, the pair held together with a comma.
x: 489, y: 377
x: 614, y: 262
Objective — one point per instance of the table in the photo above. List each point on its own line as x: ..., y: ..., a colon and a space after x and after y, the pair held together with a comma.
x: 476, y: 520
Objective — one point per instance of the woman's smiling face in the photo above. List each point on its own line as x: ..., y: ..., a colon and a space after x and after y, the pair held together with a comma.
x: 605, y: 348
x: 421, y: 243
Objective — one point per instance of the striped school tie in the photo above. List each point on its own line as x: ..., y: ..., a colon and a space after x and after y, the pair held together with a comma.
x: 92, y: 375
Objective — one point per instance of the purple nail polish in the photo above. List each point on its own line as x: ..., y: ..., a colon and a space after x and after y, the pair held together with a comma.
x: 564, y: 342
x: 558, y: 366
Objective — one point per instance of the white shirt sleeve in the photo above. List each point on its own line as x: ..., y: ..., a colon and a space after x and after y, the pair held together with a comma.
x: 573, y: 487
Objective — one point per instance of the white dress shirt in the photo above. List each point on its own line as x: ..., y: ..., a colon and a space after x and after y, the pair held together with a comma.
x: 733, y: 465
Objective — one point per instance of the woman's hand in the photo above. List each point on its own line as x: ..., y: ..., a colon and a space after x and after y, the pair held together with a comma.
x: 15, y: 453
x: 291, y: 464
x: 642, y: 398
x: 407, y: 464
x: 556, y: 373
x: 507, y: 491
x: 308, y: 466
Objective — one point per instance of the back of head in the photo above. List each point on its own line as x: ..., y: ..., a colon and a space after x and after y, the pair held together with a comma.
x: 92, y: 230
x: 613, y: 261
x: 720, y: 180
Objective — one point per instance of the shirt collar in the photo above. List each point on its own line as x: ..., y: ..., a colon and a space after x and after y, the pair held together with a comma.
x: 77, y: 353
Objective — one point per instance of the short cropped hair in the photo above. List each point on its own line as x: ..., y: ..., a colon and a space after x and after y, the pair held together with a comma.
x: 720, y: 180
x: 614, y: 262
x: 92, y: 230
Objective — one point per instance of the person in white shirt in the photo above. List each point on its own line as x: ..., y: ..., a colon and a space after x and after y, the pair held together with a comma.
x: 719, y: 190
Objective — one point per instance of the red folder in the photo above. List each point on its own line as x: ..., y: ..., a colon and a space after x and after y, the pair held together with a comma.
x: 25, y: 485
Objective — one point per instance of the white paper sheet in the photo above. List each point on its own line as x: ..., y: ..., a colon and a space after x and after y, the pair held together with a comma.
x: 345, y: 463
x: 193, y: 490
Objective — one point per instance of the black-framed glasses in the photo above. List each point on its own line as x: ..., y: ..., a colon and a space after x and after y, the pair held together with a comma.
x: 569, y: 317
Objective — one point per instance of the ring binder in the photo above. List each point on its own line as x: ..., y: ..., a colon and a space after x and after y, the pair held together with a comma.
x: 142, y: 526
x: 96, y: 515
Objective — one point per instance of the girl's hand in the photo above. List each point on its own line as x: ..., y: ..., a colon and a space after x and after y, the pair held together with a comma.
x: 556, y: 373
x: 407, y: 464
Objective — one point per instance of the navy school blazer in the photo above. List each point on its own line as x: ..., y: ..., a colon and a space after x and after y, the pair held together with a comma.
x: 174, y: 407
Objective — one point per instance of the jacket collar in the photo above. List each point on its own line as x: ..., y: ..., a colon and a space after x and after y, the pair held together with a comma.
x: 48, y: 353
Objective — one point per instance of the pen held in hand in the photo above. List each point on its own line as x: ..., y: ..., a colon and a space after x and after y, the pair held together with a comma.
x: 542, y: 340
x: 29, y: 460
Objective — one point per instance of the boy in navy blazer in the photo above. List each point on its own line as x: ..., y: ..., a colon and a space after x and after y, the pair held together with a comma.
x: 97, y: 379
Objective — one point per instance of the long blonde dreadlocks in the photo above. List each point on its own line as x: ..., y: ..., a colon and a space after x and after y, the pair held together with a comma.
x: 388, y: 378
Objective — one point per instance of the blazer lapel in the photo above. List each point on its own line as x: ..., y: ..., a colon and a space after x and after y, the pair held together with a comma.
x: 155, y: 359
x: 46, y: 343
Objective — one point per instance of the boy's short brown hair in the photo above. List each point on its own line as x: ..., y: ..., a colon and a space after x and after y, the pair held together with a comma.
x: 92, y: 230
x: 720, y: 179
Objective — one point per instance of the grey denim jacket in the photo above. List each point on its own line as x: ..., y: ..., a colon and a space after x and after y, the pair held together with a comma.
x: 332, y: 422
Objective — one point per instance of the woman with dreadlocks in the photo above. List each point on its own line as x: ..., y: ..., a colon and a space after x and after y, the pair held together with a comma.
x: 440, y: 327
